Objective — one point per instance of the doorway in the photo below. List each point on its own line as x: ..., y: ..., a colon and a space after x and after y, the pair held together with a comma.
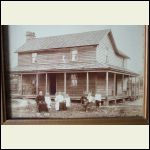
x: 52, y: 84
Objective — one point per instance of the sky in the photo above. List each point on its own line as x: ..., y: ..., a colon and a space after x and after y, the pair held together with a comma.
x: 128, y: 38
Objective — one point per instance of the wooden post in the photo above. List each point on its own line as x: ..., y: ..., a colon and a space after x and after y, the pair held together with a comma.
x: 46, y: 91
x: 129, y: 85
x: 65, y: 83
x: 87, y: 82
x: 21, y: 86
x: 122, y: 82
x: 139, y: 87
x: 106, y: 84
x: 135, y: 87
x: 37, y: 84
x: 114, y: 94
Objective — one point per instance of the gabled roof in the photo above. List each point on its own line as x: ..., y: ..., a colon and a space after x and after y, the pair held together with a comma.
x: 68, y: 40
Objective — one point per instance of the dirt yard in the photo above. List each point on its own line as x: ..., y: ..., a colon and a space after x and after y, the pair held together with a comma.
x: 26, y: 108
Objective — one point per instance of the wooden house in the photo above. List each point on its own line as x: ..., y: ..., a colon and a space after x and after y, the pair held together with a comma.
x: 73, y: 64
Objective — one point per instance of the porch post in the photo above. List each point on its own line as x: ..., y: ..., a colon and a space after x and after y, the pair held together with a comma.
x: 21, y: 87
x: 106, y: 84
x: 139, y: 87
x: 87, y: 82
x: 65, y: 83
x: 122, y: 82
x: 131, y: 85
x: 114, y: 94
x: 135, y: 86
x: 128, y: 85
x: 46, y: 91
x: 37, y: 84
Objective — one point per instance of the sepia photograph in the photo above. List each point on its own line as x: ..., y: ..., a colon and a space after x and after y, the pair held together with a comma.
x: 76, y: 71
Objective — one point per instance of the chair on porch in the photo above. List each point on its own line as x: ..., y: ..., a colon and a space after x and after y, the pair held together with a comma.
x: 60, y: 103
x: 67, y: 100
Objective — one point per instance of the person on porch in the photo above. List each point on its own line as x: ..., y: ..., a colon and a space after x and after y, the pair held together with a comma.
x: 67, y: 100
x: 90, y: 97
x: 58, y: 99
x: 48, y: 100
x: 98, y: 99
x: 41, y: 104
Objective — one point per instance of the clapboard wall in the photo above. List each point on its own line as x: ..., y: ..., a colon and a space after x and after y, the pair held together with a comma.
x: 106, y: 54
x: 85, y: 54
x: 28, y: 84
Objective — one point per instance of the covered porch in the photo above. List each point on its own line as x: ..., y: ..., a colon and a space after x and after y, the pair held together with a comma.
x: 112, y: 85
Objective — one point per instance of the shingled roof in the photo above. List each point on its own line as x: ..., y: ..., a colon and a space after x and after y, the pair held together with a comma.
x: 67, y: 40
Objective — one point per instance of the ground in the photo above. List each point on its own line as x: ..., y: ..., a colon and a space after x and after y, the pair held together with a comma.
x: 26, y: 108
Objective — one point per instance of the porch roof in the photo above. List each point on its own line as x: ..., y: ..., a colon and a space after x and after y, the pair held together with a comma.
x: 62, y: 67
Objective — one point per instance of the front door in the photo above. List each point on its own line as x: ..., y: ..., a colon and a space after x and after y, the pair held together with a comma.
x: 52, y: 84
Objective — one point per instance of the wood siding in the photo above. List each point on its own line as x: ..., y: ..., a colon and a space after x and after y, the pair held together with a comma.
x: 24, y: 59
x: 81, y: 85
x: 28, y: 84
x: 42, y: 85
x: 105, y: 49
x: 60, y: 82
x: 85, y: 54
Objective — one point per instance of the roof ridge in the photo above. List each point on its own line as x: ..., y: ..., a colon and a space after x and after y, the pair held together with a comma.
x: 106, y: 30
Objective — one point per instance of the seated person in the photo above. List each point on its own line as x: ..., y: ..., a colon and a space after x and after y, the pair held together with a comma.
x: 98, y: 99
x: 40, y: 100
x: 58, y: 99
x: 84, y: 101
x: 90, y: 97
x: 48, y: 100
x: 67, y: 100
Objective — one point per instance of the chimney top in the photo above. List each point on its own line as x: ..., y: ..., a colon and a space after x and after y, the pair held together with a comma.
x: 30, y: 35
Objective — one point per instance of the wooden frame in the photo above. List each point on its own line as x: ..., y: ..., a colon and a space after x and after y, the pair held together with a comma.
x: 5, y: 96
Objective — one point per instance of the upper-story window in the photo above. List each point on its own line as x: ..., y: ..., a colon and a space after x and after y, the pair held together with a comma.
x: 34, y: 57
x: 74, y: 55
x: 64, y: 59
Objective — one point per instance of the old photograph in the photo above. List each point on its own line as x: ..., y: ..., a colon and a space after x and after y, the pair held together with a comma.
x: 76, y: 71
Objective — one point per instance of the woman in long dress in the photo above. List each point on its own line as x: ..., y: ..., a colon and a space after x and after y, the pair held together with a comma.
x: 41, y: 104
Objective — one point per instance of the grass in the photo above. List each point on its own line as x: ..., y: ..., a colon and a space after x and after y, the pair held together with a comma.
x: 29, y: 110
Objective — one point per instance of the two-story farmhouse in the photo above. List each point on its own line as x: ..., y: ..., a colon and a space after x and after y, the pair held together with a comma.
x: 73, y: 64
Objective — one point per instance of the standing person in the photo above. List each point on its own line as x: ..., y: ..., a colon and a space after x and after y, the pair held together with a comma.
x: 40, y: 100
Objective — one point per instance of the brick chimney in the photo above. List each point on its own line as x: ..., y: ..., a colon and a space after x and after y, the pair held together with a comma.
x: 30, y: 35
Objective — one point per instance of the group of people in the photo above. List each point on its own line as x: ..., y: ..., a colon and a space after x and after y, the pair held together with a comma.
x: 44, y: 102
x: 87, y: 99
x: 63, y: 102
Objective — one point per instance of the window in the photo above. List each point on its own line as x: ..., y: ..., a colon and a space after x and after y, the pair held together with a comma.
x: 34, y: 56
x: 64, y: 58
x: 74, y: 55
x: 73, y: 80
